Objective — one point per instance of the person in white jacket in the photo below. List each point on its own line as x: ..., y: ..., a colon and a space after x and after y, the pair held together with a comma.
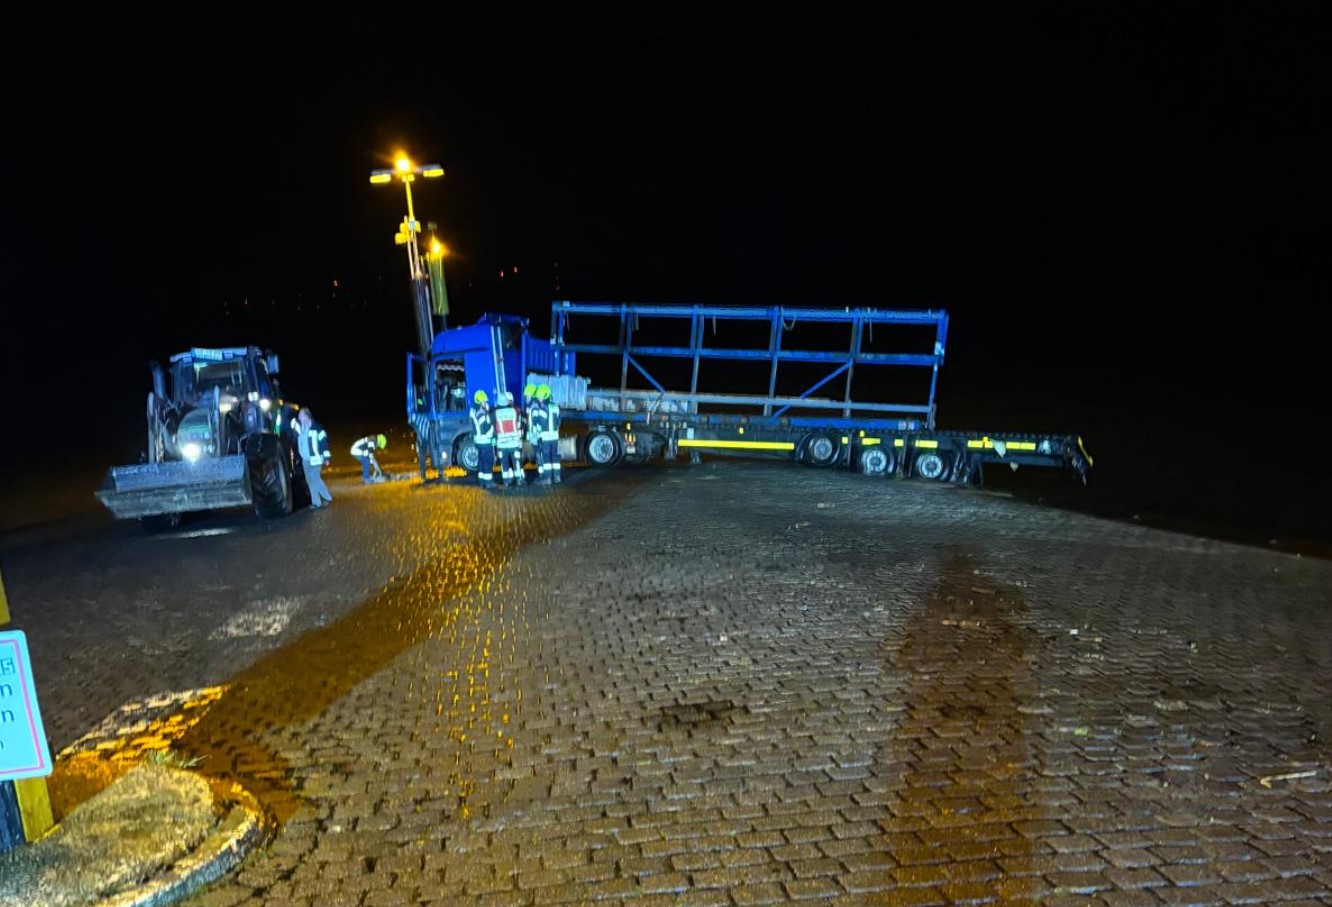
x: 312, y: 443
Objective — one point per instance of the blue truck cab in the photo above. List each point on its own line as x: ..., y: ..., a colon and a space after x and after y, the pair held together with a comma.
x: 496, y: 354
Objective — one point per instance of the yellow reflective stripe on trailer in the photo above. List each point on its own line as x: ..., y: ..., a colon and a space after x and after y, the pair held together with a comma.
x: 921, y: 442
x: 742, y: 445
x: 868, y: 442
x: 988, y: 444
x: 898, y: 442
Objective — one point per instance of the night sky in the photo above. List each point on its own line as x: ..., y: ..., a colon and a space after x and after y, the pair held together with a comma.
x: 1123, y: 207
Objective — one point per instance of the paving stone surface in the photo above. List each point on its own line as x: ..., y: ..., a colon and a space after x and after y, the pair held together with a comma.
x: 752, y: 684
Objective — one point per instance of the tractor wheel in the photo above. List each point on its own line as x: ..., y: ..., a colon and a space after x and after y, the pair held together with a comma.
x: 300, y: 490
x: 270, y: 486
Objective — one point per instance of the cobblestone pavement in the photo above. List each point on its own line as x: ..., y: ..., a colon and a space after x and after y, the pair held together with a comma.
x: 750, y: 684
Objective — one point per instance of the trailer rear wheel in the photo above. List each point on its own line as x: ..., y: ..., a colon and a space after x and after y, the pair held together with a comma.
x: 931, y: 466
x: 821, y: 450
x: 603, y: 448
x: 270, y: 486
x: 875, y: 461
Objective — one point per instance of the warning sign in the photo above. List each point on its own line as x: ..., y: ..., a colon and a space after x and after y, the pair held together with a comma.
x: 24, y: 752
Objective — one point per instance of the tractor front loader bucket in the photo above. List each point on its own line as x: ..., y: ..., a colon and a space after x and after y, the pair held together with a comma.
x: 153, y: 489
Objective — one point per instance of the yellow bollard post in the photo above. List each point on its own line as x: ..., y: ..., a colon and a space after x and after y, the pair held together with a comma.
x: 34, y: 801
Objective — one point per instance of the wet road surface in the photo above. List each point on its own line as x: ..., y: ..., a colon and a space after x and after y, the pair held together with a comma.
x: 732, y: 684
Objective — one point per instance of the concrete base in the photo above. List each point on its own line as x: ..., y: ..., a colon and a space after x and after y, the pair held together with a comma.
x: 149, y: 838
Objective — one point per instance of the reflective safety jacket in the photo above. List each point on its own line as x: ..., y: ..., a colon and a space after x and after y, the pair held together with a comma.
x: 483, y: 428
x: 531, y: 414
x: 365, y: 447
x: 544, y: 424
x: 312, y: 444
x: 536, y: 421
x: 508, y: 431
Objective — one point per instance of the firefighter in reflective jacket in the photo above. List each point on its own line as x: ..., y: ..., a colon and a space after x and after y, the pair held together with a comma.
x: 509, y: 440
x: 483, y: 436
x: 364, y: 450
x: 548, y: 452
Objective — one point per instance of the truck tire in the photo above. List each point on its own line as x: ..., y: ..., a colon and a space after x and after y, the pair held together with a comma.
x: 270, y: 486
x: 603, y: 448
x: 875, y: 461
x: 931, y: 466
x: 820, y: 450
x: 465, y: 454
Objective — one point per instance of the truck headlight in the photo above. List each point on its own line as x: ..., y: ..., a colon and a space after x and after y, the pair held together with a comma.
x: 191, y: 451
x: 265, y: 404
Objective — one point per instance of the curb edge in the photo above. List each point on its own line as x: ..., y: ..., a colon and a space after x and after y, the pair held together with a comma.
x: 240, y: 831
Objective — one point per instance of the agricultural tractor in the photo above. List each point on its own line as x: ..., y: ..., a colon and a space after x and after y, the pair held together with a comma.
x: 219, y: 436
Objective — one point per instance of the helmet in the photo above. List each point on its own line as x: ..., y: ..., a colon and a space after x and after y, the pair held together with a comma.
x: 383, y: 441
x: 543, y: 392
x: 504, y: 399
x: 480, y: 397
x: 530, y: 390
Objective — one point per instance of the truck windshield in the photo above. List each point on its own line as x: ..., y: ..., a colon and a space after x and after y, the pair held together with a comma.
x: 450, y: 385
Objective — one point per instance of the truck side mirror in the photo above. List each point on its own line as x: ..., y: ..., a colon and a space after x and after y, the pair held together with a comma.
x: 271, y: 363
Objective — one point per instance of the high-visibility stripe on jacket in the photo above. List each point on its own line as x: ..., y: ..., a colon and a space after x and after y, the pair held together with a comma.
x: 532, y: 416
x: 538, y: 418
x: 482, y: 427
x: 551, y: 432
x: 365, y: 447
x: 312, y: 445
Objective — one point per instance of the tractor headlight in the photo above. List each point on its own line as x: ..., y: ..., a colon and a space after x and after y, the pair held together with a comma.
x: 265, y: 404
x: 194, y: 436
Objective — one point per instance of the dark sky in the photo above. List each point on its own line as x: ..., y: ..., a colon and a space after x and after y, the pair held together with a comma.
x: 1122, y: 206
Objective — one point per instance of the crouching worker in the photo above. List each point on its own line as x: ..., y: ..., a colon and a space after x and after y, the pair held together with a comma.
x: 364, y: 450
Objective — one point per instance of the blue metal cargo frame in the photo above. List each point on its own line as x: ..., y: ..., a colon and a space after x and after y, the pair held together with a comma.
x: 779, y: 320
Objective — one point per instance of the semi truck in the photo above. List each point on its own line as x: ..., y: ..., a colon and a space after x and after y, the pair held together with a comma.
x: 665, y: 406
